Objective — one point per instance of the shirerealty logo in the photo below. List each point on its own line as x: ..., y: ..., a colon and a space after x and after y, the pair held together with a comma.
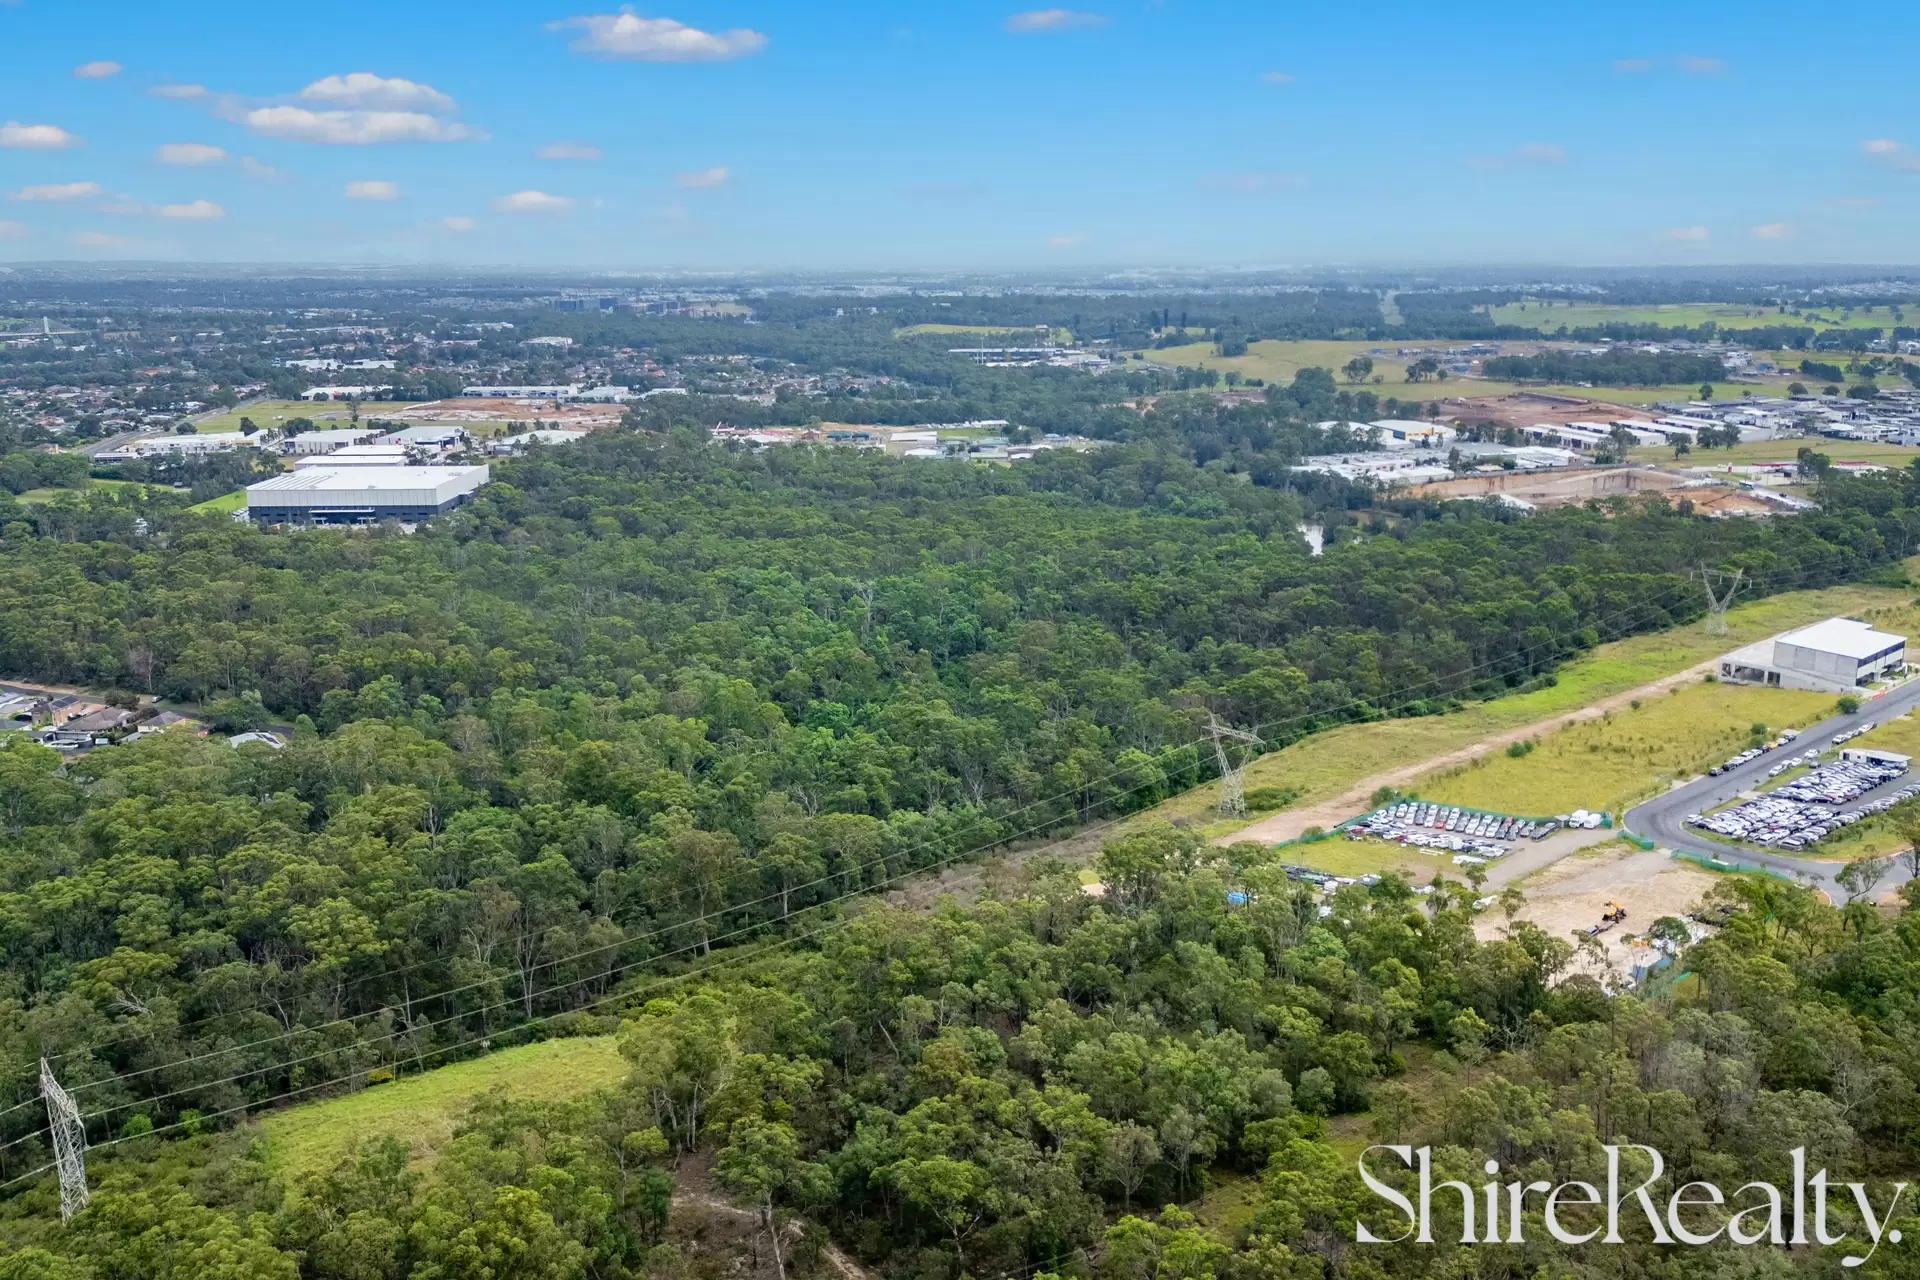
x: 1696, y: 1213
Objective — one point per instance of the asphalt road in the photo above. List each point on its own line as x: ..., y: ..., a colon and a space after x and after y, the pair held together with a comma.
x: 1661, y: 819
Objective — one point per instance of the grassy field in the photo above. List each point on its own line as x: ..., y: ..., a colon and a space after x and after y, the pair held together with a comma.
x: 1895, y: 455
x: 1547, y: 316
x: 1025, y: 331
x: 422, y: 1110
x: 224, y: 503
x: 48, y: 495
x: 1609, y: 763
x: 1277, y: 361
x: 271, y: 413
x: 1325, y: 765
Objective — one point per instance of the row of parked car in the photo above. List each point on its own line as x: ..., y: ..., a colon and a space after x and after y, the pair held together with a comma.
x: 1754, y: 753
x: 1804, y: 811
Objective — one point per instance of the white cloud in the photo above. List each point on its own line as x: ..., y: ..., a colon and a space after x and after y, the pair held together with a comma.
x: 352, y: 128
x: 36, y: 137
x: 568, y: 150
x: 627, y: 36
x: 1772, y: 231
x: 192, y: 154
x: 1278, y: 77
x: 1053, y: 20
x: 1529, y: 154
x: 458, y: 223
x: 373, y: 190
x: 1066, y: 242
x: 1630, y: 65
x: 96, y: 70
x: 702, y: 178
x: 1894, y: 155
x: 257, y: 169
x: 532, y: 202
x: 1249, y: 183
x: 180, y: 92
x: 57, y: 191
x: 369, y: 92
x: 1684, y: 233
x: 1702, y: 66
x: 10, y: 230
x: 195, y: 210
x: 101, y: 240
x: 191, y: 211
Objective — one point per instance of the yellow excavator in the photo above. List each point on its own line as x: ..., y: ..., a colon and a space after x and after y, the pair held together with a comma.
x: 1614, y: 913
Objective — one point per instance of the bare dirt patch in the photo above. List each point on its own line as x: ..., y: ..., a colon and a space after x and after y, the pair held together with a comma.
x: 572, y: 416
x: 1571, y: 894
x: 1525, y: 409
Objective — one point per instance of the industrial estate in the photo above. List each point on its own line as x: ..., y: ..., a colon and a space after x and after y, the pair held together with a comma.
x: 396, y: 707
x: 538, y: 742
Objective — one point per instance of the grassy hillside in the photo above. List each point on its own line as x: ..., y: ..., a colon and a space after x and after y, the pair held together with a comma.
x: 1610, y: 763
x: 1327, y: 764
x: 1547, y: 316
x: 1277, y: 361
x: 423, y: 1109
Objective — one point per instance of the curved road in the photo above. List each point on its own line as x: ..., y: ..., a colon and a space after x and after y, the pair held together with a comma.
x: 1662, y: 818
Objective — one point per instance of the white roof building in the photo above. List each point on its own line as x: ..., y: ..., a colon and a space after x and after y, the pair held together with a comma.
x: 358, y: 455
x: 1835, y: 656
x: 566, y: 392
x: 309, y: 442
x: 361, y: 495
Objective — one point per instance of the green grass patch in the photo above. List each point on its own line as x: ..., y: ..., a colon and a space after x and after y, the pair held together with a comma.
x: 226, y: 502
x: 1549, y: 316
x: 1626, y: 755
x: 1028, y: 334
x: 48, y: 495
x: 1891, y: 455
x: 1326, y: 764
x: 322, y: 413
x: 1278, y: 361
x: 422, y: 1110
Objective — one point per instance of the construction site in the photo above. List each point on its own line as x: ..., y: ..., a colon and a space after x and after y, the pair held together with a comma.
x: 1564, y: 488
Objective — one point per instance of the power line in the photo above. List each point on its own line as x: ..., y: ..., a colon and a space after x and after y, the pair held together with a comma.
x: 69, y: 1144
x: 861, y: 868
x: 628, y: 940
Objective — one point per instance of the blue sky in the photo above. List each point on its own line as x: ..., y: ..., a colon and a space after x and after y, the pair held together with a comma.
x: 755, y: 133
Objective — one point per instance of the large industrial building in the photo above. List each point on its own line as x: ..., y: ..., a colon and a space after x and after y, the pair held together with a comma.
x: 1835, y: 656
x: 361, y: 495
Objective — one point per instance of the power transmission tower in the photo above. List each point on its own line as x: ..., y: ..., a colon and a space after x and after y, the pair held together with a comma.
x: 69, y: 1143
x: 1718, y: 600
x: 1233, y: 791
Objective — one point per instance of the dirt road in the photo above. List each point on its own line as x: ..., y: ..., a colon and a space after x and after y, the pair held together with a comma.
x: 1356, y: 799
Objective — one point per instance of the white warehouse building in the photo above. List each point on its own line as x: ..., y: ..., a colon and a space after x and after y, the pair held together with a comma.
x: 361, y: 495
x: 1835, y: 656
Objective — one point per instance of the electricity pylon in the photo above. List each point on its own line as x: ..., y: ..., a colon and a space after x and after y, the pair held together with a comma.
x: 1233, y: 791
x: 69, y: 1143
x: 1717, y: 601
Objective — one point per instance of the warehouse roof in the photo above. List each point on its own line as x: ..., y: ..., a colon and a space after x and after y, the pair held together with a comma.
x: 1848, y: 637
x: 372, y: 478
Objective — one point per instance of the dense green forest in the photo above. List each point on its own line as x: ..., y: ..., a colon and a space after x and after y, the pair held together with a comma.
x: 1019, y: 1088
x: 650, y: 699
x: 650, y: 685
x: 1616, y: 368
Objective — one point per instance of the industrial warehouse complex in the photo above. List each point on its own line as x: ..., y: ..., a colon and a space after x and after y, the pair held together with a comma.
x: 1839, y: 655
x: 361, y: 495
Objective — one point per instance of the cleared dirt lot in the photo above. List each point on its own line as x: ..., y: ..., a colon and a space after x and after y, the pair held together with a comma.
x: 1570, y: 894
x: 577, y: 416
